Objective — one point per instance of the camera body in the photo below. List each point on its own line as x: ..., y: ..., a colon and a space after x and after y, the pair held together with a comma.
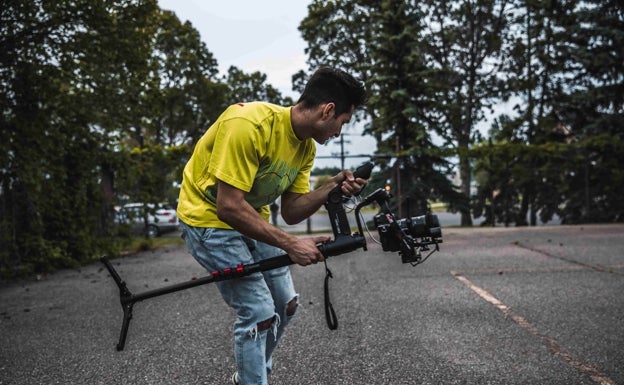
x: 408, y: 236
x: 423, y: 226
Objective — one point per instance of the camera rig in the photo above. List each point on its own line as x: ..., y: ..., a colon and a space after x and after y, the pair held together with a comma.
x: 410, y: 237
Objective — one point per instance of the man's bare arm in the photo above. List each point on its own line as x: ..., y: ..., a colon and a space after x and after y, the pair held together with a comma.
x: 297, y: 207
x: 233, y: 209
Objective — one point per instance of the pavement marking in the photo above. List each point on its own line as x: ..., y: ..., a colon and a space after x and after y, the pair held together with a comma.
x: 593, y: 372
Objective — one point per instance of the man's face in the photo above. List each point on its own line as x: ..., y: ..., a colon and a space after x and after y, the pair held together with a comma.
x: 331, y: 127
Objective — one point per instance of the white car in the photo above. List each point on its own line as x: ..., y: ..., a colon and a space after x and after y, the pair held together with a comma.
x: 160, y: 219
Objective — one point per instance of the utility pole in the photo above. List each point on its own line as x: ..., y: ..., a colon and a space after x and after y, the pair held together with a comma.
x: 343, y: 155
x: 398, y: 175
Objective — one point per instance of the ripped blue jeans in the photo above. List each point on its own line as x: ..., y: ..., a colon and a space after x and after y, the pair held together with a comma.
x: 257, y: 298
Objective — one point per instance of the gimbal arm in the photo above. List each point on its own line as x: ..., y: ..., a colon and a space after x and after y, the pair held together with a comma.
x: 339, y: 246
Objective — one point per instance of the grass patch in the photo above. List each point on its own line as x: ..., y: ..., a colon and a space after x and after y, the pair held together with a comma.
x: 438, y: 206
x: 143, y: 244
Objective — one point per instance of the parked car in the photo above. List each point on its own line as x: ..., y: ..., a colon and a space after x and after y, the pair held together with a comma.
x: 160, y: 218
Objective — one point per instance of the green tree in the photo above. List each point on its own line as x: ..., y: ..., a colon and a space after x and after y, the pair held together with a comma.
x: 538, y: 80
x: 185, y: 94
x: 339, y: 34
x: 318, y: 171
x: 178, y: 96
x: 565, y: 70
x: 380, y: 43
x: 593, y: 109
x: 61, y: 70
x: 251, y: 87
x: 400, y: 104
x: 497, y: 198
x: 99, y: 97
x: 463, y: 50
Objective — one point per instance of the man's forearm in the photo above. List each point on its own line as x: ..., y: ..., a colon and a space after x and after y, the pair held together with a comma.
x: 244, y: 219
x: 234, y: 210
x: 296, y: 208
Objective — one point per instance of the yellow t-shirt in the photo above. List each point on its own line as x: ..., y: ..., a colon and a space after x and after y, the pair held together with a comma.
x: 252, y: 147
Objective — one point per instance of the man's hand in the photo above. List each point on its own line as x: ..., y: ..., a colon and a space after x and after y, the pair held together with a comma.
x: 351, y: 185
x: 304, y: 252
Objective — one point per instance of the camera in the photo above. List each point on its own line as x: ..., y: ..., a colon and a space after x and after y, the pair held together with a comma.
x: 423, y: 226
x: 408, y: 236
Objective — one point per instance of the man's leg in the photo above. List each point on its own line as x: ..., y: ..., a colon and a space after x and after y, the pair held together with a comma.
x: 284, y: 296
x: 255, y: 324
x: 250, y: 297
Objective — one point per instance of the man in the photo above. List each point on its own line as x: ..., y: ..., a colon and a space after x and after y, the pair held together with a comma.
x: 253, y: 154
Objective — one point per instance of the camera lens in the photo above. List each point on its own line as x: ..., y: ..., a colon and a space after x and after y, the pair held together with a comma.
x: 422, y: 226
x: 436, y: 232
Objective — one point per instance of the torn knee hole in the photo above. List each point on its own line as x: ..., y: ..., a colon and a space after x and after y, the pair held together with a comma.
x: 264, y: 325
x: 291, y: 307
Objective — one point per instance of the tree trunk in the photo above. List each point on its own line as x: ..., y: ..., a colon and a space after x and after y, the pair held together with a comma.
x: 465, y: 175
x: 527, y: 199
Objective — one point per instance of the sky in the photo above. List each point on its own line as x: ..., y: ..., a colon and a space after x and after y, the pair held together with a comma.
x: 263, y: 36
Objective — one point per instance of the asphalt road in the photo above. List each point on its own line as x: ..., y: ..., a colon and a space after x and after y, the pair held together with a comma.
x: 495, y: 306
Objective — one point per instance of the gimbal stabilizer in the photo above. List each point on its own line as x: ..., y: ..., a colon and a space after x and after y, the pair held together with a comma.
x: 402, y: 236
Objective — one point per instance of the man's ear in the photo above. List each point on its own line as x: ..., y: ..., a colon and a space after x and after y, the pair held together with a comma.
x: 329, y: 110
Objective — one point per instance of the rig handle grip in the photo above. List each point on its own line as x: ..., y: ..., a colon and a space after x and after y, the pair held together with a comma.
x: 364, y: 170
x: 341, y: 245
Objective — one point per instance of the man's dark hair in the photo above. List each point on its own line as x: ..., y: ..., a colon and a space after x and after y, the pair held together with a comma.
x: 333, y: 85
